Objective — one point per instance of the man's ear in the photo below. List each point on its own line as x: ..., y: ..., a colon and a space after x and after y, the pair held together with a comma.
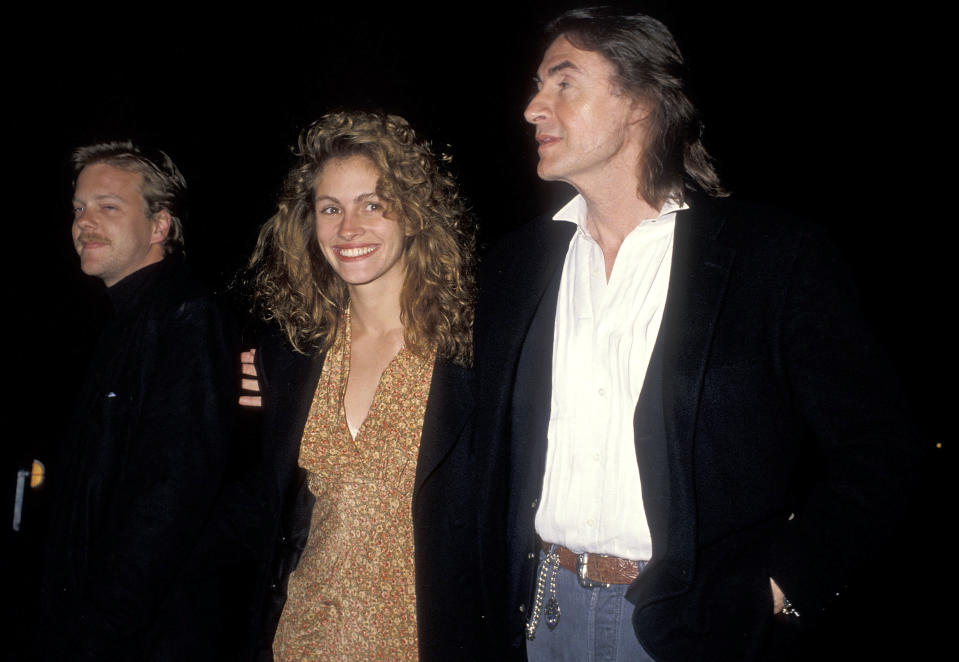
x: 640, y: 110
x: 161, y: 226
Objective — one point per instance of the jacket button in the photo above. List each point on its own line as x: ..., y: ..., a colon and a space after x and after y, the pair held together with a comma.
x: 535, y: 503
x: 522, y: 609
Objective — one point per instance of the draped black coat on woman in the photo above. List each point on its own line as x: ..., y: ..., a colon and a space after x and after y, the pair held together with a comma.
x: 448, y: 604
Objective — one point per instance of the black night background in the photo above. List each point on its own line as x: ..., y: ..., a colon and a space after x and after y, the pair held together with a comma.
x: 817, y: 107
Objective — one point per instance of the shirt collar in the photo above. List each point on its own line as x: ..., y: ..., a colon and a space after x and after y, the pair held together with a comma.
x: 125, y: 292
x: 575, y: 211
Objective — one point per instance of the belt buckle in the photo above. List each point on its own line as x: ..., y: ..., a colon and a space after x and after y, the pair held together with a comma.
x: 582, y: 567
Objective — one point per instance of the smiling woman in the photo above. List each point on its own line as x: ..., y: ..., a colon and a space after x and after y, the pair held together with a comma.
x: 359, y: 241
x: 296, y: 285
x: 366, y: 270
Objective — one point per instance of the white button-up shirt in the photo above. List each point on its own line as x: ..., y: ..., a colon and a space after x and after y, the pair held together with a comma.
x: 603, y: 338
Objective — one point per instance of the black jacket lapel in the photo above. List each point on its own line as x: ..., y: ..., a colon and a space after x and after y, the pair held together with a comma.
x: 698, y: 278
x: 288, y: 381
x: 447, y: 413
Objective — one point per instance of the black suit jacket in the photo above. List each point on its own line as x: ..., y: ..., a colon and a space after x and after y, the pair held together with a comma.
x: 134, y: 558
x: 783, y: 447
x: 443, y: 511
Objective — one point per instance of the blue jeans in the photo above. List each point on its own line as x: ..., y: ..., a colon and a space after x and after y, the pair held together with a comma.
x: 595, y: 625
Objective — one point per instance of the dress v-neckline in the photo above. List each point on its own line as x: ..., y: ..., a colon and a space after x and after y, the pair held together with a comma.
x: 345, y: 379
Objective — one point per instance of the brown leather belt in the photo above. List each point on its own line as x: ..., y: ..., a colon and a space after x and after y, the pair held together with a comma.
x: 596, y: 569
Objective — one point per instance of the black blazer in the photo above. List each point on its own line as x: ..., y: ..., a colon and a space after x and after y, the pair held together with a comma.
x: 783, y: 448
x: 443, y: 511
x: 135, y: 566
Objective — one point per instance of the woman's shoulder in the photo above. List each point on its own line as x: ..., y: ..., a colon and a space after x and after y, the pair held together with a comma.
x: 278, y: 362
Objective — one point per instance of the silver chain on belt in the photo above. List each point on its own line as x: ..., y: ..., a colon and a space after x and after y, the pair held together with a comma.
x: 549, y: 566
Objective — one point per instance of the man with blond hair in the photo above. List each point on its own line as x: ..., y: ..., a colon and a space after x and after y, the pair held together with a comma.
x: 124, y: 573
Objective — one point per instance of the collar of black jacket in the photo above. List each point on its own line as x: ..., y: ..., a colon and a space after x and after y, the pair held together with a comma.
x: 125, y: 293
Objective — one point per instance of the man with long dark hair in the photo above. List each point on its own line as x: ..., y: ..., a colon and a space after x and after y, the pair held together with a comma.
x: 691, y: 436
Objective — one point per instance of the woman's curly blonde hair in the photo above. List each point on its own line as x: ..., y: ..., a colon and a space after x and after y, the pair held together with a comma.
x: 295, y: 285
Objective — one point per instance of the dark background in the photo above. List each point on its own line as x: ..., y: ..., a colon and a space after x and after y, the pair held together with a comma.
x: 827, y: 110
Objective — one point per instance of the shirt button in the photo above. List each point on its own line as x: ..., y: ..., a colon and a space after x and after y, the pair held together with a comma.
x: 590, y: 522
x: 596, y: 457
x: 602, y: 392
